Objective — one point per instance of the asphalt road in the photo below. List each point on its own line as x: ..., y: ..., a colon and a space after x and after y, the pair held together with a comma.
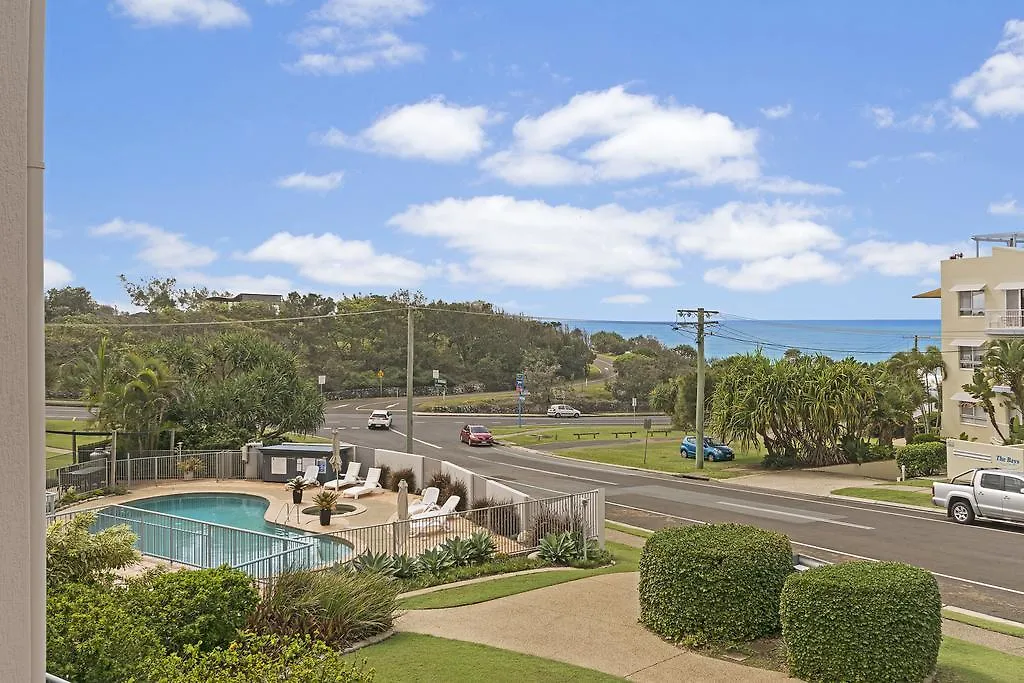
x: 979, y: 567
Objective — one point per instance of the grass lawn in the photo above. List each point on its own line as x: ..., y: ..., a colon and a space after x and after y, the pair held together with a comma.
x: 63, y: 441
x: 963, y: 662
x: 427, y: 659
x: 921, y: 499
x: 305, y: 438
x: 986, y: 624
x: 664, y: 457
x: 626, y: 559
x: 528, y: 435
x: 915, y: 483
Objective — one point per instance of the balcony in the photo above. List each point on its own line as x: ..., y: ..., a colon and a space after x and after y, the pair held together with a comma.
x: 1006, y: 321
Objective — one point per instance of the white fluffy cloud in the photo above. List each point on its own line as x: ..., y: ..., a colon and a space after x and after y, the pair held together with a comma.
x: 997, y: 87
x: 329, y: 259
x: 924, y: 121
x: 750, y: 232
x: 624, y: 136
x: 779, y: 111
x: 1006, y: 207
x: 56, y: 274
x: 161, y: 249
x: 900, y: 259
x: 353, y: 36
x: 205, y: 14
x: 432, y: 129
x: 626, y: 299
x: 525, y: 243
x: 315, y: 183
x: 266, y: 284
x: 774, y: 273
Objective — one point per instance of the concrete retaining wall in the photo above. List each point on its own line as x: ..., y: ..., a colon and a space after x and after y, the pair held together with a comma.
x: 883, y: 469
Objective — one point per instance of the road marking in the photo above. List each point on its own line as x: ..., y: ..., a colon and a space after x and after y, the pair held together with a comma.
x: 391, y: 406
x: 652, y: 512
x: 534, y: 469
x: 525, y: 486
x: 794, y: 514
x: 343, y: 405
x: 425, y: 443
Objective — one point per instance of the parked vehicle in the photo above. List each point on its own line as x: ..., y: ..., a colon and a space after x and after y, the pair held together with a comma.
x: 562, y: 410
x: 379, y: 419
x: 715, y: 451
x: 984, y: 493
x: 476, y: 435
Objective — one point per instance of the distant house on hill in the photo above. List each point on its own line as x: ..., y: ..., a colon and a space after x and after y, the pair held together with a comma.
x: 272, y: 300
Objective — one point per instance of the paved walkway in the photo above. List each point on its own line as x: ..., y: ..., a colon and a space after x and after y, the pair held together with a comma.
x: 591, y: 622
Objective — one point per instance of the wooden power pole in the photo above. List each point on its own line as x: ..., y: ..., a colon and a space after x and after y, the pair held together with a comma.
x: 701, y: 323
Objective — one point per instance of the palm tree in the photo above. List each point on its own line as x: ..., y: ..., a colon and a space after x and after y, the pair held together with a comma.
x: 981, y: 389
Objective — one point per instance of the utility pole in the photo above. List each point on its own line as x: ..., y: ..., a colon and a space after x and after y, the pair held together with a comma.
x: 700, y: 325
x: 408, y: 385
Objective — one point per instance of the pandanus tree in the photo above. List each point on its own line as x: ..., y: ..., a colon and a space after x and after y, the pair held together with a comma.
x: 1001, y: 377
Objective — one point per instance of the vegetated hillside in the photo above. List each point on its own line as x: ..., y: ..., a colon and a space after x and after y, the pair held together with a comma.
x: 473, y: 345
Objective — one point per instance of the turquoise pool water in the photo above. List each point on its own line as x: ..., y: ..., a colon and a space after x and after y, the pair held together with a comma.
x: 211, y: 529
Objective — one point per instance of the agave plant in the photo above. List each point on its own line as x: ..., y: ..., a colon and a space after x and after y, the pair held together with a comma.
x: 404, y: 567
x: 460, y: 550
x: 368, y: 561
x: 481, y: 547
x: 434, y: 562
x: 559, y: 548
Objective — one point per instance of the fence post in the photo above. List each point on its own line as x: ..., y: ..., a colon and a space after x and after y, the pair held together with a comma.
x: 394, y: 538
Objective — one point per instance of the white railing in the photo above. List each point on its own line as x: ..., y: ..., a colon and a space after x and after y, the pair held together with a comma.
x: 95, y: 474
x: 1005, y: 319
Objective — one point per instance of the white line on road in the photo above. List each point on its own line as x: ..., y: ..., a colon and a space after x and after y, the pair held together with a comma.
x: 534, y: 469
x: 811, y: 518
x: 652, y: 512
x: 425, y: 443
x: 389, y: 407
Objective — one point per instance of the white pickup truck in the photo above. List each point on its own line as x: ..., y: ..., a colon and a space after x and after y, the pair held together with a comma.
x: 982, y: 494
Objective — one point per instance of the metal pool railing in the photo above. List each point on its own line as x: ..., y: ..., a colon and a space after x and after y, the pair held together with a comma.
x: 201, y: 544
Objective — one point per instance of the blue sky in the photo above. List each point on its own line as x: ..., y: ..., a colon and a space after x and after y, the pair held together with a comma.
x: 573, y: 158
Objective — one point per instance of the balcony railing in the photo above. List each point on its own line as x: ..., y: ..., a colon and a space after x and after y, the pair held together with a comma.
x: 1006, y: 320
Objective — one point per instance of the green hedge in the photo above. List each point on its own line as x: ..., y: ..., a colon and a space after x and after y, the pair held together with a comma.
x: 713, y: 583
x: 922, y: 459
x: 865, y: 622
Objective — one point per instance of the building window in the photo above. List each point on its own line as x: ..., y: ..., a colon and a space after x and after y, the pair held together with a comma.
x: 972, y: 303
x: 972, y: 414
x: 970, y: 357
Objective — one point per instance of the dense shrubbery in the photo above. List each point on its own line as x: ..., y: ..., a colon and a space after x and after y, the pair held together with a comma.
x: 547, y: 520
x: 859, y: 451
x: 259, y: 658
x: 397, y: 476
x: 338, y: 607
x: 500, y: 516
x: 566, y: 547
x: 922, y: 459
x: 73, y: 555
x: 93, y: 637
x: 448, y: 487
x: 73, y: 497
x: 713, y: 583
x: 927, y: 437
x: 455, y: 552
x: 203, y: 607
x: 862, y: 622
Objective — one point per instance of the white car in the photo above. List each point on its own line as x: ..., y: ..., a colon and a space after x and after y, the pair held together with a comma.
x: 379, y: 419
x: 562, y: 410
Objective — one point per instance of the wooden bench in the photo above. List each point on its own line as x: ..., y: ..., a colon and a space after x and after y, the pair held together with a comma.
x: 617, y: 434
x: 666, y: 432
x: 579, y: 435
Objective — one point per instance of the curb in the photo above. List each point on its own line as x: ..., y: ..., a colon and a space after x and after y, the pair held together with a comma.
x: 904, y: 506
x: 372, y: 640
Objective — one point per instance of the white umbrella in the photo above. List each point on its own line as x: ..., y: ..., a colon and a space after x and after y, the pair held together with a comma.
x: 403, y: 515
x: 336, y: 459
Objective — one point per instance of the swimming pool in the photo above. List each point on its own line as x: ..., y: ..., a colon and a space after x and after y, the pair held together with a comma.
x: 211, y: 529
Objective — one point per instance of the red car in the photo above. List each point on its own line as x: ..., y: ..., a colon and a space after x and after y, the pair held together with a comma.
x: 476, y: 435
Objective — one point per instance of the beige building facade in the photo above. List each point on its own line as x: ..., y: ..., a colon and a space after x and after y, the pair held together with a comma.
x: 982, y: 300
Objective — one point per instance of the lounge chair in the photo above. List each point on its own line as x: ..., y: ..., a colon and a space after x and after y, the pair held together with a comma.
x: 427, y: 503
x: 371, y: 485
x: 312, y: 475
x: 351, y: 477
x: 435, y: 518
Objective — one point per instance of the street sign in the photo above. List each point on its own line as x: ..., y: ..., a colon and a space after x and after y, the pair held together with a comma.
x: 436, y: 374
x: 634, y: 403
x: 380, y: 374
x: 440, y: 381
x: 322, y: 380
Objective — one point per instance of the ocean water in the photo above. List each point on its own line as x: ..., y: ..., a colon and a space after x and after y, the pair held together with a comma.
x: 865, y: 340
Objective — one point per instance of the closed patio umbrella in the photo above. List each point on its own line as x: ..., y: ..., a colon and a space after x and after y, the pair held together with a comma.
x: 402, y: 530
x: 336, y: 458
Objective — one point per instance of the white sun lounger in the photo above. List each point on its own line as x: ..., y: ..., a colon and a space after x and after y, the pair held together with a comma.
x: 428, y: 502
x: 371, y: 485
x: 311, y: 475
x: 435, y: 518
x: 351, y: 477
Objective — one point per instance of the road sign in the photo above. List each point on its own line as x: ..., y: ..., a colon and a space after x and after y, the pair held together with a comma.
x: 440, y: 382
x: 322, y: 380
x: 380, y: 374
x: 436, y: 374
x: 634, y: 402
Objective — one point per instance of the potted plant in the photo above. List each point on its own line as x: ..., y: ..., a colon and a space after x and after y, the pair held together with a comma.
x: 296, y: 486
x: 190, y: 467
x: 325, y: 500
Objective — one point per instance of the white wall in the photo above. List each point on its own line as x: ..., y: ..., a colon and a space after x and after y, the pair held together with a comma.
x: 962, y: 456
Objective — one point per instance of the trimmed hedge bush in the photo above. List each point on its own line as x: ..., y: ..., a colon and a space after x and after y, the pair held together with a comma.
x: 871, y: 622
x: 713, y: 583
x: 406, y: 474
x: 922, y: 459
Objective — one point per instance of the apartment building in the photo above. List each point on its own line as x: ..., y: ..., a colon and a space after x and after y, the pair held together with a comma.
x: 982, y: 299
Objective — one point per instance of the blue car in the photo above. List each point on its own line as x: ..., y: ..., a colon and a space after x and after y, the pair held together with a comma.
x: 714, y: 451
